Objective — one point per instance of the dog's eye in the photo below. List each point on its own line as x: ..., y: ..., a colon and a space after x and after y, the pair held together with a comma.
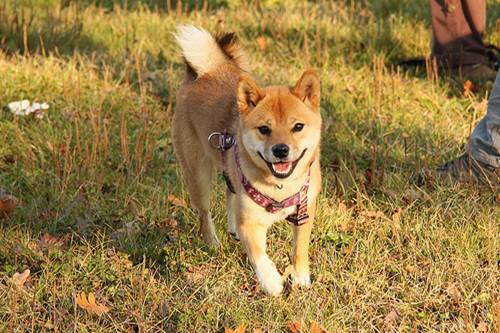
x: 297, y: 127
x: 264, y: 130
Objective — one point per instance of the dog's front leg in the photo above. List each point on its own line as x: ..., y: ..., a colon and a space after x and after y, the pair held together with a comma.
x: 253, y: 237
x: 300, y: 255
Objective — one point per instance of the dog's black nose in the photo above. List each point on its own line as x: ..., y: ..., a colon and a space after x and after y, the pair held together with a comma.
x: 280, y: 150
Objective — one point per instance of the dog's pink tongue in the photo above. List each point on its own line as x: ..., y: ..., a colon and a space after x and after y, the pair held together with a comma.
x: 282, y: 167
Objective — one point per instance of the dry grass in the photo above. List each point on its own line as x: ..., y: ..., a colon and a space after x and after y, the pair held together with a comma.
x: 97, y: 171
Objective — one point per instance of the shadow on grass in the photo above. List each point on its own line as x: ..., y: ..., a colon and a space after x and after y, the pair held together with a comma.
x: 22, y: 34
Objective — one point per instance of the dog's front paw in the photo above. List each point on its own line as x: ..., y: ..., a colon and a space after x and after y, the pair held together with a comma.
x: 302, y: 279
x: 269, y: 278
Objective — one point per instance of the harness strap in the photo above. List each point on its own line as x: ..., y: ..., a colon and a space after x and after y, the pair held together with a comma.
x: 299, y: 199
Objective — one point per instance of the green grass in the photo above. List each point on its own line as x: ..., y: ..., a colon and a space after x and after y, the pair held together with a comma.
x: 97, y: 170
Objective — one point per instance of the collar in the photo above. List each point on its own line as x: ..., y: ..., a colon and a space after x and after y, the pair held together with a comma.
x: 298, y: 199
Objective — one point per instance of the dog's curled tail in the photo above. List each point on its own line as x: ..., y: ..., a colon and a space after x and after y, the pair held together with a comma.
x: 204, y: 53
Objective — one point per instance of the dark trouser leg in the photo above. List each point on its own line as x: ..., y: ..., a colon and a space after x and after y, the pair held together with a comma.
x: 484, y: 143
x: 458, y: 26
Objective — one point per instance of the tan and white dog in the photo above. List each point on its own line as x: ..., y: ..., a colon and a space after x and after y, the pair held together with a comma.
x: 275, y: 158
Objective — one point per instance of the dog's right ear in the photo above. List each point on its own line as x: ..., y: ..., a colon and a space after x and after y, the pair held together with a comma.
x: 249, y: 94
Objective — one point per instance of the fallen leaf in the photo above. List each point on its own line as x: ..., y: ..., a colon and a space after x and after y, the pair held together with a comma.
x: 453, y: 292
x: 7, y: 205
x: 176, y: 201
x: 47, y: 242
x: 294, y: 327
x: 315, y: 328
x: 239, y: 329
x: 257, y: 330
x: 20, y: 278
x: 347, y: 250
x: 468, y: 88
x: 411, y: 268
x: 89, y: 304
x: 482, y: 327
x: 197, y: 274
x: 342, y: 208
x: 171, y: 223
x: 391, y: 318
x: 262, y: 42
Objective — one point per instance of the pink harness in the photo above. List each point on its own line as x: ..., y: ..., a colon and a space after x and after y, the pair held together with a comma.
x: 299, y: 199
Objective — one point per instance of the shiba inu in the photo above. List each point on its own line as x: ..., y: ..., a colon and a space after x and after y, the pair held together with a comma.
x: 265, y: 140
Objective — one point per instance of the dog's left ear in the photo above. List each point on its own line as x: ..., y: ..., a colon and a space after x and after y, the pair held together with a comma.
x: 307, y: 89
x: 248, y: 94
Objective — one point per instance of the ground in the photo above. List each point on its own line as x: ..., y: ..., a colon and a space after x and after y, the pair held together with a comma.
x: 102, y: 208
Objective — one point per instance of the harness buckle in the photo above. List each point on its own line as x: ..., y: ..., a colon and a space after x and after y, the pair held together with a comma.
x: 274, y: 206
x: 296, y: 220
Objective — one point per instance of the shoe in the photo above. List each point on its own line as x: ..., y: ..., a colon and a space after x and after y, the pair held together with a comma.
x: 463, y: 169
x: 475, y: 73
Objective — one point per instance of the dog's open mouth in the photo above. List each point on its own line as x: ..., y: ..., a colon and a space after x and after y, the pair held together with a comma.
x: 283, y: 169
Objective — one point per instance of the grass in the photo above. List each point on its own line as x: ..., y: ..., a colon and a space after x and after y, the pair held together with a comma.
x: 97, y: 171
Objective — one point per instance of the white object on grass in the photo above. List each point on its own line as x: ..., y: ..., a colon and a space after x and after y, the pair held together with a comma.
x: 23, y: 108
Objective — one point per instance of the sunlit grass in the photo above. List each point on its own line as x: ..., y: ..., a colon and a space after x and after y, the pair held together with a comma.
x: 97, y: 170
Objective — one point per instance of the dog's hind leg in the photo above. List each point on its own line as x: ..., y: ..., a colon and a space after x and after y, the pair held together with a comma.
x: 198, y: 171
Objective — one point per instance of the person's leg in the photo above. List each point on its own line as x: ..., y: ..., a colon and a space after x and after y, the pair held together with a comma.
x: 481, y: 162
x: 484, y: 143
x: 458, y: 27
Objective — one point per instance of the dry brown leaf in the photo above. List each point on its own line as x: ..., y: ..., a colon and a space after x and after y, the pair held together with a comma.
x: 294, y: 327
x: 20, y: 278
x: 240, y: 329
x: 342, y: 208
x: 315, y: 328
x: 262, y: 42
x: 171, y: 223
x: 7, y: 205
x: 48, y: 242
x: 453, y: 292
x: 89, y: 304
x: 176, y: 201
x: 468, y: 88
x: 257, y: 330
x: 391, y: 318
x: 482, y: 327
x: 197, y: 274
x: 411, y: 268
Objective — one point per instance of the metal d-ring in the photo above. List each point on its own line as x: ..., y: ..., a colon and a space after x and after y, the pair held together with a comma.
x: 210, y: 139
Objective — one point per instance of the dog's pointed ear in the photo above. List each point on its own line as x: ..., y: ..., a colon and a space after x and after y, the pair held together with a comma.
x: 308, y: 89
x: 249, y: 94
